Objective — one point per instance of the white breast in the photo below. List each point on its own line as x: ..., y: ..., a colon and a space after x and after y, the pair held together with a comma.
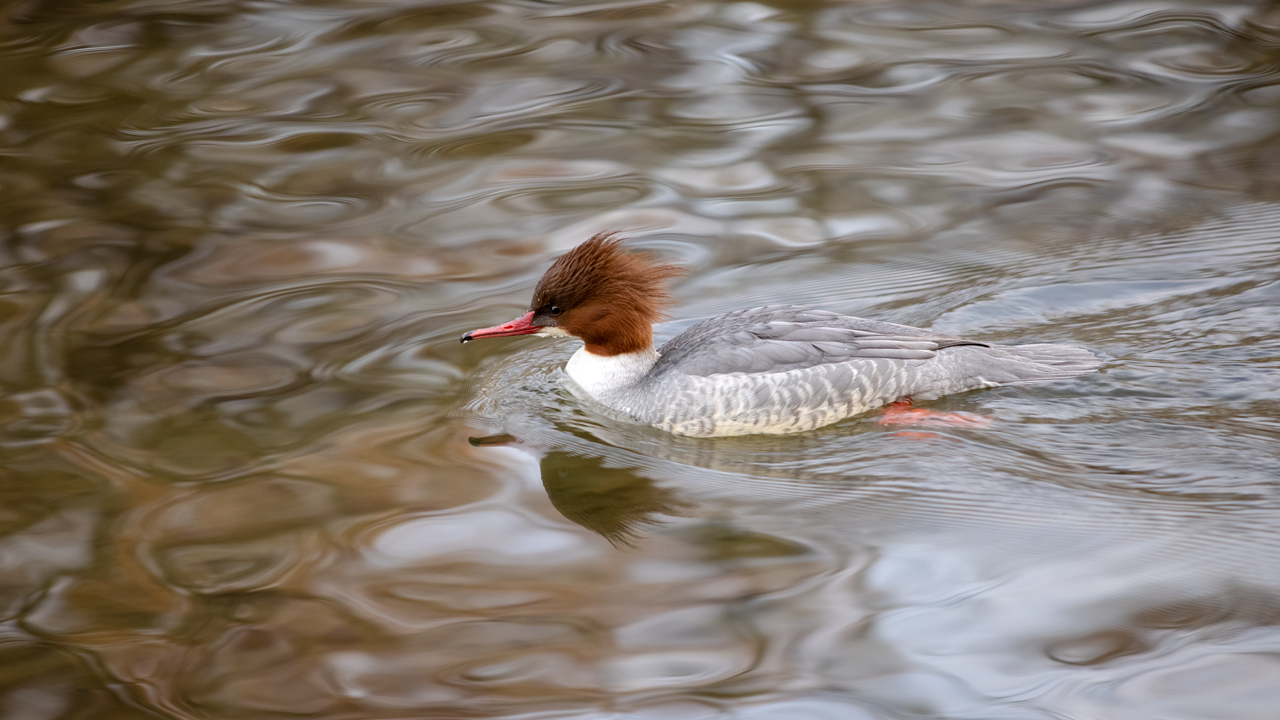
x: 604, y: 375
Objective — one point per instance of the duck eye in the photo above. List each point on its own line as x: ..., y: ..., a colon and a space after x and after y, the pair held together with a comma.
x: 555, y: 310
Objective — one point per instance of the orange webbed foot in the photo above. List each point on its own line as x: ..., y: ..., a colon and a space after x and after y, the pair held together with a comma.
x: 901, y: 413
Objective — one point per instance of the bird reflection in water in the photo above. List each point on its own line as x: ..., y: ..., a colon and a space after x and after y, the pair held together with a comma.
x: 613, y: 502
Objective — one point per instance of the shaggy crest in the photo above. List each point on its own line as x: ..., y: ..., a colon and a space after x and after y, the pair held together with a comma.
x: 599, y: 279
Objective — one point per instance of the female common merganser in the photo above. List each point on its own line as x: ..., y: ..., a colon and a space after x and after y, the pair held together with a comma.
x: 774, y: 369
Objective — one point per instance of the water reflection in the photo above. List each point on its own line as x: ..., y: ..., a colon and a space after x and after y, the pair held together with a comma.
x: 241, y: 242
x: 611, y: 502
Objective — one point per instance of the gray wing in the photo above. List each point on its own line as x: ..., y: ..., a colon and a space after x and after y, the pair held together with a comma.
x: 778, y: 338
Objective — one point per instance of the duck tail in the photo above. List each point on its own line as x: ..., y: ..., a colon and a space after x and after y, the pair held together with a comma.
x: 1041, y: 362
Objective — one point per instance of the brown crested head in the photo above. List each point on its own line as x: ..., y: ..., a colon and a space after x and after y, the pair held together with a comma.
x: 606, y: 295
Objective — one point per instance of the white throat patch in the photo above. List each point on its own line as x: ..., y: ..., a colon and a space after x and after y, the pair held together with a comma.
x: 601, y: 375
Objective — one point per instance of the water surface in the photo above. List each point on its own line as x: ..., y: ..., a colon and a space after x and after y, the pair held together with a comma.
x: 239, y: 437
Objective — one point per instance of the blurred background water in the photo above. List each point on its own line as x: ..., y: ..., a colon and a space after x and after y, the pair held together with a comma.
x: 241, y: 239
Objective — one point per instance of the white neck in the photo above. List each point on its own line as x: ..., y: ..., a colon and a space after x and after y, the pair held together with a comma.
x: 601, y: 375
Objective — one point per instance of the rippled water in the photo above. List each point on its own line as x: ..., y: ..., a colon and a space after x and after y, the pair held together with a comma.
x: 246, y: 472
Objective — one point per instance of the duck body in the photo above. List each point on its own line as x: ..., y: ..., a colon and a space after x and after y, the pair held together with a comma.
x: 767, y: 370
x: 786, y: 369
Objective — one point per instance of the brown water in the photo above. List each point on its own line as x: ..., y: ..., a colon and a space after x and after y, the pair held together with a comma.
x: 241, y: 240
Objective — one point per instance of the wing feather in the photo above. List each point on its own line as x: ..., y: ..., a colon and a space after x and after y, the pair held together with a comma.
x: 779, y: 338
